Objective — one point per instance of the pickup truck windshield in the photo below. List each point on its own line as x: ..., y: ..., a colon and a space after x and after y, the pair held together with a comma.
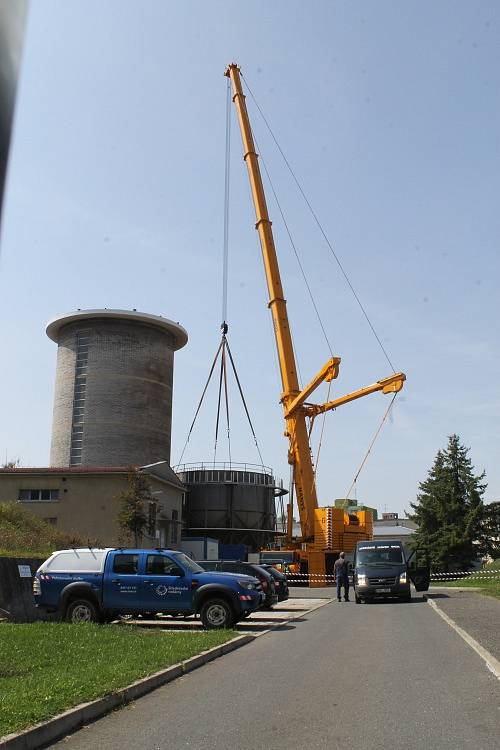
x: 187, y: 563
x: 390, y: 555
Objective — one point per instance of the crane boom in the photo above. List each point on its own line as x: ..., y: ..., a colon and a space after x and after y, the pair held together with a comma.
x: 293, y: 399
x: 299, y: 454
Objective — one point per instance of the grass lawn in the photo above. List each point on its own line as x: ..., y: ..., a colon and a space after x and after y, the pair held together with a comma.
x: 489, y: 585
x: 46, y: 668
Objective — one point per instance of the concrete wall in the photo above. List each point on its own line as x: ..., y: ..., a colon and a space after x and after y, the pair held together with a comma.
x: 16, y: 593
x: 87, y: 505
x: 128, y: 397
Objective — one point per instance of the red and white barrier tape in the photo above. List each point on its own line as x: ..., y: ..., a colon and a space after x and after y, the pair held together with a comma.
x: 456, y: 576
x: 468, y: 574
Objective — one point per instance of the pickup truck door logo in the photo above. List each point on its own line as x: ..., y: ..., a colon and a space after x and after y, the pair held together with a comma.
x: 163, y: 590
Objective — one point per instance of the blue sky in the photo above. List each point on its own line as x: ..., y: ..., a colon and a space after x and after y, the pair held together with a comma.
x: 389, y: 113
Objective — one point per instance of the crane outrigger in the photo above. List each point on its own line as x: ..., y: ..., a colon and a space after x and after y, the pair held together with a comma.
x: 317, y: 544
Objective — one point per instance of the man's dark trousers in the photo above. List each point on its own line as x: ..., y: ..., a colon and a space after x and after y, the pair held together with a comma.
x: 343, y: 580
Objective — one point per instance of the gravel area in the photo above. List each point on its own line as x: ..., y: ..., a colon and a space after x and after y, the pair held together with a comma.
x: 478, y: 615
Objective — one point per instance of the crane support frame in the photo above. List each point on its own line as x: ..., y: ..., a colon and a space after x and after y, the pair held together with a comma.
x: 391, y: 384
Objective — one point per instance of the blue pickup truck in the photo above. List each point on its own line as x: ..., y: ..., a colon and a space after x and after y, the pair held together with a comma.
x: 97, y: 585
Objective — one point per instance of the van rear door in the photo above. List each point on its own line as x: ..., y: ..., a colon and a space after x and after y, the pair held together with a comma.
x: 419, y: 569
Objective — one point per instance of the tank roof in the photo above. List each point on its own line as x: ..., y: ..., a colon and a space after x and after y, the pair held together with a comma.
x: 156, y: 321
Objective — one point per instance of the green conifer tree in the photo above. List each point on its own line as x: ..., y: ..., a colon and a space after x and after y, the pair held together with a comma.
x: 449, y: 509
x: 489, y: 538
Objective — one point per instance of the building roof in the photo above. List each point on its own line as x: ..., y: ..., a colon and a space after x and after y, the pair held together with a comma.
x: 160, y: 470
x: 392, y: 530
x: 66, y: 470
x: 156, y: 321
x: 395, y: 522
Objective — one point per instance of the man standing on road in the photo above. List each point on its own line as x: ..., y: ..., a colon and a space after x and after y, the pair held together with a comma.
x: 340, y: 573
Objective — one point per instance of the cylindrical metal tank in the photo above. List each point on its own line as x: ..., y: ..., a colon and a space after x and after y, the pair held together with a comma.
x: 113, y: 392
x: 234, y: 503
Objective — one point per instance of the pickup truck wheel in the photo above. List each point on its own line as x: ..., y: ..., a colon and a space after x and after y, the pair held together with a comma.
x: 81, y: 610
x: 216, y: 613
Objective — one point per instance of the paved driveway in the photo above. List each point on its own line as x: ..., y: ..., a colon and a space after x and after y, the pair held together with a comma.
x: 477, y: 614
x: 345, y: 677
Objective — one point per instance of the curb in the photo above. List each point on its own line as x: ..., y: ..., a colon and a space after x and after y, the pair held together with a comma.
x: 490, y: 661
x: 53, y: 729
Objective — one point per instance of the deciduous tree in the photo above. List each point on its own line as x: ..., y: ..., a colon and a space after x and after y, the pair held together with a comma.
x: 132, y: 516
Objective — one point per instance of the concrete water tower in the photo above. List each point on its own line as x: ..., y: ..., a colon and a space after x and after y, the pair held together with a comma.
x: 113, y: 392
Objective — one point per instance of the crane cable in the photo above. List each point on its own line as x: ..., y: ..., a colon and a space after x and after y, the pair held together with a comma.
x: 225, y: 265
x: 353, y: 484
x: 320, y: 443
x: 201, y: 400
x: 244, y: 402
x: 339, y: 263
x: 225, y: 251
x: 319, y: 225
x: 294, y: 247
x: 218, y: 402
x: 223, y: 381
x: 226, y: 395
x: 221, y: 350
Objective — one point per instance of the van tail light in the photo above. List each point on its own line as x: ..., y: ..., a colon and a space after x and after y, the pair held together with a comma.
x: 37, y: 589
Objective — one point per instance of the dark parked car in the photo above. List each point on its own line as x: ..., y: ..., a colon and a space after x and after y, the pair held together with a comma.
x: 384, y: 568
x: 250, y: 569
x: 280, y: 582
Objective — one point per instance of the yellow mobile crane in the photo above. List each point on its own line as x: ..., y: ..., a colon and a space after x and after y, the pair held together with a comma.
x: 323, y: 531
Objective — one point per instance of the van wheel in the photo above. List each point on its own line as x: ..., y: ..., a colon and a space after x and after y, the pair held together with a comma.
x: 81, y: 610
x: 216, y: 613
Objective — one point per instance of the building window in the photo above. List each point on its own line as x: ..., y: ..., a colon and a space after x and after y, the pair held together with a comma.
x: 38, y: 496
x: 175, y: 526
x: 79, y: 394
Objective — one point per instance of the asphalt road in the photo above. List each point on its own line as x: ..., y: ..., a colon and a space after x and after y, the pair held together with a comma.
x: 478, y: 615
x: 347, y: 676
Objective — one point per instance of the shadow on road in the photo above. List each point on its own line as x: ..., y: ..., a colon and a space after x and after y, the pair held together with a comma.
x: 386, y: 602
